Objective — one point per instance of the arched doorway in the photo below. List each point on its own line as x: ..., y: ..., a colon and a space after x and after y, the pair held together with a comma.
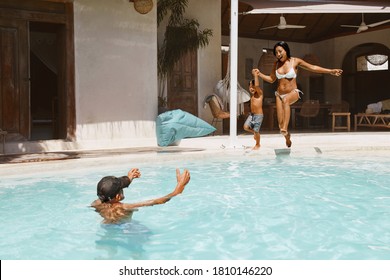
x: 362, y: 85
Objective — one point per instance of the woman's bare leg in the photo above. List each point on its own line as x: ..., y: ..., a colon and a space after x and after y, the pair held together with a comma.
x: 289, y: 99
x: 286, y: 115
x: 280, y: 112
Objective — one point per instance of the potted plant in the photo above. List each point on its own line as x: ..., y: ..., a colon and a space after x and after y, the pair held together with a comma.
x: 181, y: 36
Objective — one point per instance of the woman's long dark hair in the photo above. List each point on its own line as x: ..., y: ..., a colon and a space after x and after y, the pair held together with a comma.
x: 284, y: 46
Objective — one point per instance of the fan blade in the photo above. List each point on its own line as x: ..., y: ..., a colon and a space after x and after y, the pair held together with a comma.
x: 269, y: 27
x: 294, y: 26
x: 378, y: 23
x: 354, y: 26
x: 362, y: 27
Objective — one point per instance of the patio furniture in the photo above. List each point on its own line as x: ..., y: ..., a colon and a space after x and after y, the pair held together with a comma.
x: 216, y: 110
x: 309, y: 109
x: 341, y: 115
x: 372, y: 120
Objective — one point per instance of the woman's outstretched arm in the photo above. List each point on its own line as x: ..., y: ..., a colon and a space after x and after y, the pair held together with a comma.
x: 318, y: 69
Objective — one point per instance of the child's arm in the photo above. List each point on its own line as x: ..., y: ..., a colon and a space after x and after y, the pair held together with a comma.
x: 256, y: 76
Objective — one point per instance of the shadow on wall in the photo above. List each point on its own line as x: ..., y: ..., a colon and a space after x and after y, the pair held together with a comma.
x: 13, y: 149
x: 103, y: 135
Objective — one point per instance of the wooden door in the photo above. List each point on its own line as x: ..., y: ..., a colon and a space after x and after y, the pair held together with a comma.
x: 183, y: 85
x: 14, y: 78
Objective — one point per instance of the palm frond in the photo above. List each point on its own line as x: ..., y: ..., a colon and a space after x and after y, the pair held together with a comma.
x: 175, y: 7
x: 181, y: 35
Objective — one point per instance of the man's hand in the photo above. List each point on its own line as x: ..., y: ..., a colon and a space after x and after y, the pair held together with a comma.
x: 182, y: 181
x: 134, y: 173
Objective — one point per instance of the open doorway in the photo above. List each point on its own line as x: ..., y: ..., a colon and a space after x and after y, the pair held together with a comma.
x: 362, y: 85
x: 44, y: 80
x: 37, y: 99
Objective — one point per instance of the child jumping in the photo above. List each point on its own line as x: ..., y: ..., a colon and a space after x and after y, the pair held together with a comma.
x: 256, y: 116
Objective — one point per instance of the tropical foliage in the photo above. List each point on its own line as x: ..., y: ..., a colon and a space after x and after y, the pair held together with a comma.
x: 181, y: 35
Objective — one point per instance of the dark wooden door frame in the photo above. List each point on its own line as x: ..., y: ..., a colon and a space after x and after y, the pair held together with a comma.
x: 58, y: 12
x: 15, y: 97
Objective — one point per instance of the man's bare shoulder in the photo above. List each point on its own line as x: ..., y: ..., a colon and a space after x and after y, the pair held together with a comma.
x: 113, y: 213
x: 96, y: 203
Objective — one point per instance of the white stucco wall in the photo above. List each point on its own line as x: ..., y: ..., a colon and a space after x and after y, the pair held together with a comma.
x: 116, y: 73
x: 208, y: 13
x: 209, y: 57
x: 333, y: 51
x: 342, y: 45
x: 116, y: 69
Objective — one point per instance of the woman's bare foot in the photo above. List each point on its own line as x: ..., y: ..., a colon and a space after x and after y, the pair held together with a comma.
x: 288, y: 141
x: 256, y: 147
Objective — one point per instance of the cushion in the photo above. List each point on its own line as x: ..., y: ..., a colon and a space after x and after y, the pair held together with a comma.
x: 175, y: 125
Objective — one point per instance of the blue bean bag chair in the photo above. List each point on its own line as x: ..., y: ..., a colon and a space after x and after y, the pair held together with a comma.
x: 175, y: 125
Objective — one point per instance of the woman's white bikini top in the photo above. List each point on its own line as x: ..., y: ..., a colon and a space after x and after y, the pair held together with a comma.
x: 289, y: 75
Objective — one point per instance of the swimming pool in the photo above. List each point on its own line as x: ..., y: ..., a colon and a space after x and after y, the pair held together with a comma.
x: 236, y: 206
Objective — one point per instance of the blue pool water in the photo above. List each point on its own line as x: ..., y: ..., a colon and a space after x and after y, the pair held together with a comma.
x: 235, y: 207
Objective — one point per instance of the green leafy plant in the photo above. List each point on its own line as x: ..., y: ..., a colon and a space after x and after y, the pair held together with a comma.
x: 181, y: 36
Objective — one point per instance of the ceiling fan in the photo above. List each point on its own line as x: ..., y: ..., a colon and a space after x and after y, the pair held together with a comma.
x: 363, y: 26
x: 283, y: 24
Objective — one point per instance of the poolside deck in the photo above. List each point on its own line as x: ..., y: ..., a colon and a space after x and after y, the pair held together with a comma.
x: 303, y: 142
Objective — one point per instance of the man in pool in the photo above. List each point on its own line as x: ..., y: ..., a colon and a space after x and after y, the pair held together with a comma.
x: 110, y: 193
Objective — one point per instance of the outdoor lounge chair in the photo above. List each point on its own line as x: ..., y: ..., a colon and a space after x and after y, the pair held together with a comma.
x: 216, y: 110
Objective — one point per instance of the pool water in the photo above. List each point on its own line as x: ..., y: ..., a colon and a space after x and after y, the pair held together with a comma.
x: 235, y: 207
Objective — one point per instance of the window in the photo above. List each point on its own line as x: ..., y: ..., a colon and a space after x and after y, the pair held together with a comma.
x: 372, y: 62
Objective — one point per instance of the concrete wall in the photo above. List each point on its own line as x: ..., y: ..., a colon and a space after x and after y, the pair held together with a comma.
x: 333, y: 52
x: 116, y: 73
x: 209, y: 57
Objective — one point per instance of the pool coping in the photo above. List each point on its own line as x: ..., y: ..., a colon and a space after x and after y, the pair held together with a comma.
x: 303, y: 144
